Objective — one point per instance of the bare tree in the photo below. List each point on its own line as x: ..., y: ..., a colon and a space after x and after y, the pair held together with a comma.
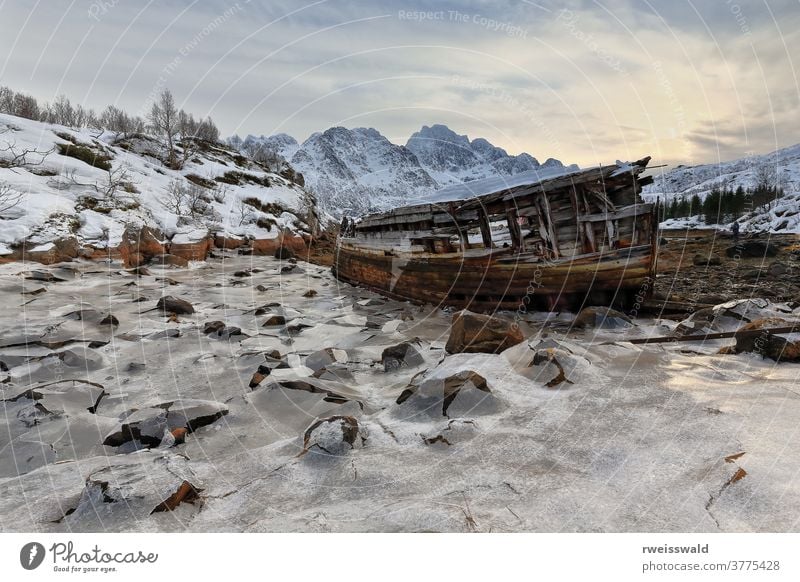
x: 187, y: 129
x: 25, y: 106
x: 9, y: 198
x: 766, y: 175
x: 243, y: 212
x: 164, y: 120
x: 187, y: 200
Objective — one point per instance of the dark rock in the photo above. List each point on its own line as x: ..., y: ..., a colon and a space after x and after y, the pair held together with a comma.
x: 703, y: 260
x: 752, y: 249
x: 147, y: 426
x: 213, y: 327
x: 288, y: 268
x: 297, y: 327
x: 242, y: 274
x: 140, y: 272
x: 473, y: 332
x: 274, y: 320
x: 310, y: 293
x: 402, y: 354
x: 376, y: 321
x: 109, y: 320
x: 602, y: 317
x: 284, y: 253
x: 170, y: 304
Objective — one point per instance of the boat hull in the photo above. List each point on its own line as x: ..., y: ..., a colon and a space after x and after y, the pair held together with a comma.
x: 502, y: 279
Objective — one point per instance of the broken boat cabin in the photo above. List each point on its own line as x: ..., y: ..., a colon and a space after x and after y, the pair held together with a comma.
x: 542, y: 240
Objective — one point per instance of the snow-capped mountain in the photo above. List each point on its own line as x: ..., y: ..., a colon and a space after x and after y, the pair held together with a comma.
x: 781, y: 167
x: 353, y: 171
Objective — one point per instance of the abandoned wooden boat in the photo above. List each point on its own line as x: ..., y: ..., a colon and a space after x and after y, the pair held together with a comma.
x: 542, y: 240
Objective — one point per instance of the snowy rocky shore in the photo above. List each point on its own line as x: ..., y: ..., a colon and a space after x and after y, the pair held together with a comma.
x: 70, y: 193
x: 251, y: 393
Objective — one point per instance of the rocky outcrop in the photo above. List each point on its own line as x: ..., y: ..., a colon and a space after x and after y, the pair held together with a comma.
x: 139, y: 245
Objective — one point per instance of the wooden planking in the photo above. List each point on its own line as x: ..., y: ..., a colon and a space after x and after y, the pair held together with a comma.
x: 627, y: 212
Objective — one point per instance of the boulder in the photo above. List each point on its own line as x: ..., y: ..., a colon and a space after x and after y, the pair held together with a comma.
x: 434, y: 390
x: 767, y: 344
x: 274, y: 320
x: 402, y: 354
x: 213, y: 327
x: 140, y: 244
x: 473, y: 332
x: 59, y: 251
x: 601, y: 317
x: 170, y: 304
x: 334, y: 435
x: 310, y: 293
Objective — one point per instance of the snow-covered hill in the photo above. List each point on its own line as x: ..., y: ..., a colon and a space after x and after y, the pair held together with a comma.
x: 353, y: 171
x: 781, y: 167
x: 89, y: 186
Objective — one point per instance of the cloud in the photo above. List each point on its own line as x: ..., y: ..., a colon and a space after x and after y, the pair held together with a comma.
x: 590, y: 83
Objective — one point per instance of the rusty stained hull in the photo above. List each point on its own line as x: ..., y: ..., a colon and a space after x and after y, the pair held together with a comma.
x: 502, y: 279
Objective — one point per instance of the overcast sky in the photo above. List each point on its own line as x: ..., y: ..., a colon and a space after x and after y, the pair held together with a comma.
x: 682, y: 81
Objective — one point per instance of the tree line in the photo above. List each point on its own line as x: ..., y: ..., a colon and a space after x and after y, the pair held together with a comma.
x: 721, y: 206
x: 164, y: 119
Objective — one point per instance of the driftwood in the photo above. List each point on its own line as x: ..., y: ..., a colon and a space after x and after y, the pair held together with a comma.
x: 714, y: 336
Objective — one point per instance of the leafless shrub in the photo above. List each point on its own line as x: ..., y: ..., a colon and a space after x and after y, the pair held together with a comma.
x: 185, y: 199
x: 12, y: 156
x: 9, y: 198
x: 117, y: 187
x: 243, y: 213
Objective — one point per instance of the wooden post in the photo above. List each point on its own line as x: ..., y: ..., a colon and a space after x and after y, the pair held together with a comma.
x: 588, y: 226
x: 486, y: 231
x: 513, y: 228
x: 573, y: 198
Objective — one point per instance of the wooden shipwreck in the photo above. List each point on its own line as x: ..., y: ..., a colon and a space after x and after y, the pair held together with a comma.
x: 542, y: 240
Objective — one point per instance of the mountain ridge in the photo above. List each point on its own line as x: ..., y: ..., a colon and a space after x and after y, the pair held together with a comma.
x: 358, y: 170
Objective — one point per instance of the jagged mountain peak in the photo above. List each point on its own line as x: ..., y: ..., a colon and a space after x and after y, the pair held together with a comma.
x: 357, y: 170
